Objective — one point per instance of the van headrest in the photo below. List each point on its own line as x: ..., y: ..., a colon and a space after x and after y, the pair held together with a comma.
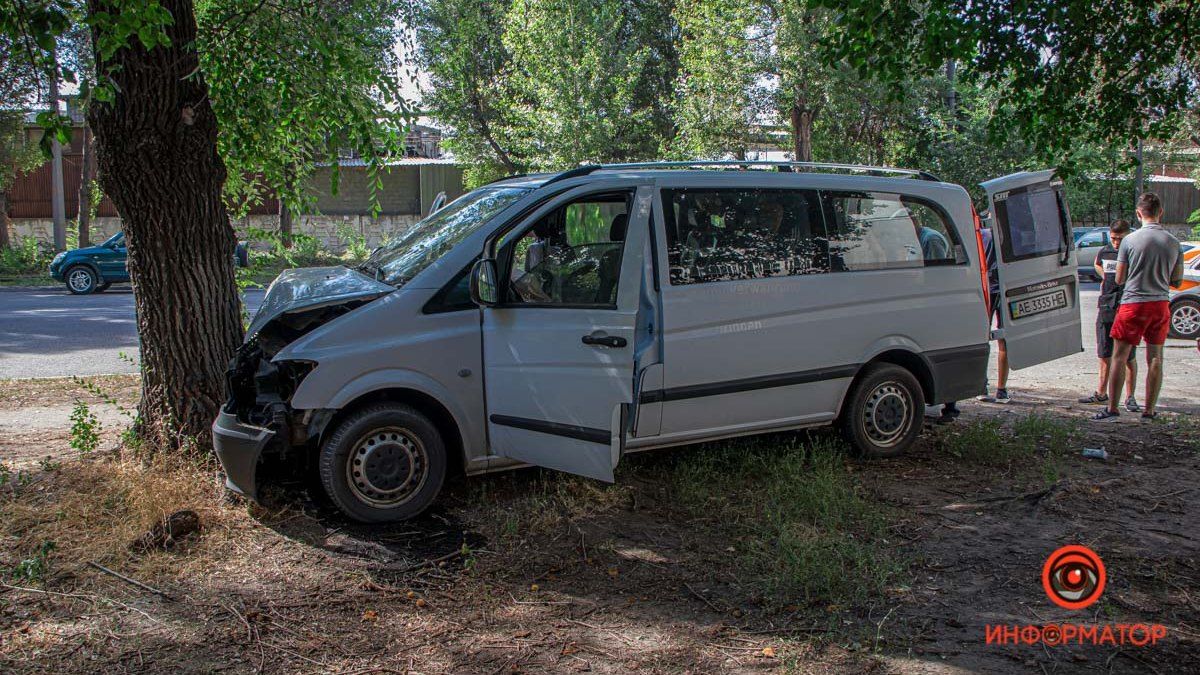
x: 616, y: 231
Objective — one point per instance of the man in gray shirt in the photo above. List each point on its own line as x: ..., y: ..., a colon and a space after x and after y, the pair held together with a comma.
x: 1148, y: 264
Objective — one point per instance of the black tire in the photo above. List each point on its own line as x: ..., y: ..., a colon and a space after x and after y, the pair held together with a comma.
x: 1185, y: 319
x: 883, y: 412
x: 383, y: 464
x: 103, y: 287
x: 82, y: 280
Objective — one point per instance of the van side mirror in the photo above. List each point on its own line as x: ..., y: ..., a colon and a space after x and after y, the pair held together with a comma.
x: 484, y: 290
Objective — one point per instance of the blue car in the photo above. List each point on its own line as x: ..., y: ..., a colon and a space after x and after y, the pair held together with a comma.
x: 95, y: 268
x: 92, y: 269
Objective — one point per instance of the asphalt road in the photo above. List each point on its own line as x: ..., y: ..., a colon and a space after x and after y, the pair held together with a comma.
x: 47, y: 332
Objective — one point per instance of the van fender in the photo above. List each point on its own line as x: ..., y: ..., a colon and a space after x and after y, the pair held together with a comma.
x: 910, y: 355
x: 891, y: 343
x: 307, y: 396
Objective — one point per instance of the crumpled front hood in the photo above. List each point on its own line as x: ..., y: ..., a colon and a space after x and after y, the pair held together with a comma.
x: 312, y: 287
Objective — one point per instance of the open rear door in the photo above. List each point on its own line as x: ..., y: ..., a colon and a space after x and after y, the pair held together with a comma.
x: 1035, y: 255
x: 560, y: 374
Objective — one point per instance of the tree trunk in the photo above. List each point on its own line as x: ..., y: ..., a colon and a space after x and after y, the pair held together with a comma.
x: 156, y: 146
x: 5, y: 240
x: 802, y: 121
x: 285, y: 224
x: 58, y: 209
x: 87, y: 179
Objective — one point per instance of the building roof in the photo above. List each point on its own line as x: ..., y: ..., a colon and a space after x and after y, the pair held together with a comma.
x: 396, y: 161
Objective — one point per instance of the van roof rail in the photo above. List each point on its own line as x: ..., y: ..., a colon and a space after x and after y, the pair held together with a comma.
x: 746, y: 164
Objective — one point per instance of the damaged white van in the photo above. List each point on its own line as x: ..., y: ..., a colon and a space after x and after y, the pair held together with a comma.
x: 563, y: 320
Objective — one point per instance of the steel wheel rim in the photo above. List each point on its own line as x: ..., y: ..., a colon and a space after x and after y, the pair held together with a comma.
x: 887, y: 415
x: 386, y: 467
x: 1185, y: 319
x: 79, y: 280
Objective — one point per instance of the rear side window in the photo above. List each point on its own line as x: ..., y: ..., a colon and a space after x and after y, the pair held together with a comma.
x: 1032, y: 223
x: 723, y: 234
x: 876, y: 231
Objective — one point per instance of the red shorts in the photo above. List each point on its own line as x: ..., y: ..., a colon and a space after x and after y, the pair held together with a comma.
x: 1142, y: 319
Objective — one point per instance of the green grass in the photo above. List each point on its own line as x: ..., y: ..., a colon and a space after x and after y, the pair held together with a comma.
x: 805, y: 529
x: 13, y: 280
x: 991, y: 442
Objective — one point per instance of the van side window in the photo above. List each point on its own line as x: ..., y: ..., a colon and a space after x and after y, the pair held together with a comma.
x: 722, y: 234
x: 572, y: 255
x: 876, y: 231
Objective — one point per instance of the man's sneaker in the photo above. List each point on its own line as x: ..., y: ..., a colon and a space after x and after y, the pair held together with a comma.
x: 1000, y: 397
x: 1096, y: 397
x: 1131, y: 405
x: 1106, y: 414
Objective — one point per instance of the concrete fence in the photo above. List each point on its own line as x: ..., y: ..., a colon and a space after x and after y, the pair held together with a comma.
x: 330, y: 231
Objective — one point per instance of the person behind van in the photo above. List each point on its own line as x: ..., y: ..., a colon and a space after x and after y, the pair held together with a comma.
x: 1106, y: 314
x: 994, y: 319
x: 933, y: 245
x: 1149, y: 263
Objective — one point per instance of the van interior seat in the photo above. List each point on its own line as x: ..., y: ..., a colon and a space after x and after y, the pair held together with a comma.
x: 610, y: 261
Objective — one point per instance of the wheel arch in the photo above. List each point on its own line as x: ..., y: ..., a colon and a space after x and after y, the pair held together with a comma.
x: 72, y: 264
x: 912, y: 361
x: 424, y: 403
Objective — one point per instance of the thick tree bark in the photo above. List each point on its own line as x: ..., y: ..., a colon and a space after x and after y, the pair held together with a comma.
x: 156, y: 146
x: 802, y: 121
x: 87, y: 178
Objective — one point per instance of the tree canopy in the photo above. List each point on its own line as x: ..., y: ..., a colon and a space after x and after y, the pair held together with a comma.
x: 1107, y: 72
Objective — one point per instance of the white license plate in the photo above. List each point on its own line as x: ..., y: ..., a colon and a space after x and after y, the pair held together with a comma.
x: 1038, y: 304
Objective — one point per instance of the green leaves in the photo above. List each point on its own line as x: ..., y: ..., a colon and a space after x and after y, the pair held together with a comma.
x: 1104, y: 72
x: 55, y: 127
x: 116, y: 28
x: 546, y: 84
x: 296, y: 85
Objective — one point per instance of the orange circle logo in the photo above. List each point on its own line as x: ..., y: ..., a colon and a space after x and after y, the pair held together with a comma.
x: 1073, y: 577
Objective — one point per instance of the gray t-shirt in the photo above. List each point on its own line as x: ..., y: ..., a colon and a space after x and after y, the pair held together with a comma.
x: 1153, y: 257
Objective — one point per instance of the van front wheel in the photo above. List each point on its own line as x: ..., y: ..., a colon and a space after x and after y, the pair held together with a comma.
x: 883, y: 412
x: 384, y: 463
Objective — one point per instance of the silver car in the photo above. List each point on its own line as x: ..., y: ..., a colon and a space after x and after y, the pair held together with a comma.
x: 1185, y: 304
x: 1087, y: 247
x: 564, y: 320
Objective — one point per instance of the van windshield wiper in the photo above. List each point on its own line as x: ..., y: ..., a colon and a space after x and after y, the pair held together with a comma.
x: 369, y: 268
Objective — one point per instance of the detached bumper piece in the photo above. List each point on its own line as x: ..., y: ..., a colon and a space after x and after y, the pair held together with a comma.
x: 239, y: 446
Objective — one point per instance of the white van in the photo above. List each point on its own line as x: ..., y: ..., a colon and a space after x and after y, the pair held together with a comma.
x: 564, y: 320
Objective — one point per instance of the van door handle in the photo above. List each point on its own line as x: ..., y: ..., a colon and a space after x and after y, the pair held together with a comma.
x: 605, y: 340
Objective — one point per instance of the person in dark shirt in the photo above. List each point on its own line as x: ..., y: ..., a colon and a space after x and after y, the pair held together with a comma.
x: 1106, y: 314
x: 995, y: 319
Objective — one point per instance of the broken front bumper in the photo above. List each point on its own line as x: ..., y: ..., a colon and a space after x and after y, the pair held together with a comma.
x: 239, y: 446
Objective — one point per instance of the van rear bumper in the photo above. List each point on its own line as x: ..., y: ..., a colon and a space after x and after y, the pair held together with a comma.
x: 959, y: 373
x: 239, y: 447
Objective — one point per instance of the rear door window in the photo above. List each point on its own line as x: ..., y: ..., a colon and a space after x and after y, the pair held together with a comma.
x: 1033, y: 222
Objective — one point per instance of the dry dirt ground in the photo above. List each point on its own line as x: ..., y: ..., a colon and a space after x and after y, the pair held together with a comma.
x: 770, y: 555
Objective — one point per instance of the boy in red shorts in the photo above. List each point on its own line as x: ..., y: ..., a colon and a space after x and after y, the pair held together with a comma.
x: 1148, y: 264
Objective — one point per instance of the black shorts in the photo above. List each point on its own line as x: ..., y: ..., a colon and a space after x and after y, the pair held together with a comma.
x: 1104, y: 342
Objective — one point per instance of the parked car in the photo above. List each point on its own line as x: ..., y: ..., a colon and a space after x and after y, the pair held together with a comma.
x: 1087, y: 245
x: 1190, y: 249
x: 1077, y: 232
x: 565, y: 320
x: 94, y: 268
x: 1185, y: 303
